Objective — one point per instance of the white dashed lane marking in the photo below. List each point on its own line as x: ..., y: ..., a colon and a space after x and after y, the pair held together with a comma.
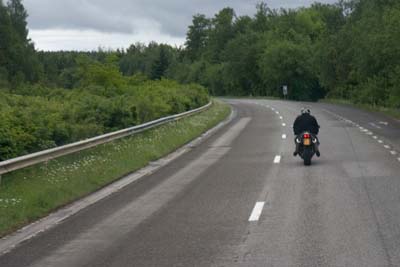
x: 368, y: 132
x: 284, y: 136
x: 256, y: 213
x: 374, y: 125
x: 277, y: 159
x: 283, y: 124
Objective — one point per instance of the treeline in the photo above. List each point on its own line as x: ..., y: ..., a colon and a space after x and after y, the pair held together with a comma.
x: 347, y: 50
x: 51, y: 99
x: 152, y: 61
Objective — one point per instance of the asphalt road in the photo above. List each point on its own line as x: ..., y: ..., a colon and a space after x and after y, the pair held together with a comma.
x: 241, y: 199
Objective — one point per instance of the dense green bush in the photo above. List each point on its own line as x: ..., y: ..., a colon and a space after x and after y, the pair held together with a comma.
x: 34, y: 118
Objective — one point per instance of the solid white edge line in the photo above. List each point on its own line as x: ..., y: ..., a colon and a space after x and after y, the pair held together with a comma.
x: 277, y: 159
x: 256, y: 213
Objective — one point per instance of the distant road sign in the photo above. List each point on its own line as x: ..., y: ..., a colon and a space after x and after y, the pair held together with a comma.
x: 285, y: 90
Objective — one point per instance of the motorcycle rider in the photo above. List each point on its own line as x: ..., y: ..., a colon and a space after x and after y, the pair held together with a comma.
x: 306, y: 122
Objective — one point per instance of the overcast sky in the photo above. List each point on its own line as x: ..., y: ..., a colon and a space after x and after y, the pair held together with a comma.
x: 89, y: 24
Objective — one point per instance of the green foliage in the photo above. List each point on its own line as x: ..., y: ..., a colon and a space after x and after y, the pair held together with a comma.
x: 90, y: 72
x: 287, y: 63
x: 33, y: 192
x: 34, y: 118
x: 222, y: 30
x: 197, y: 36
x: 347, y: 50
x: 367, y: 54
x: 18, y: 60
x: 106, y: 90
x: 160, y: 65
x: 18, y: 16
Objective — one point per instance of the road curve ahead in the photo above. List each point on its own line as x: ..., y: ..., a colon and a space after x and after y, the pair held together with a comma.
x: 241, y: 199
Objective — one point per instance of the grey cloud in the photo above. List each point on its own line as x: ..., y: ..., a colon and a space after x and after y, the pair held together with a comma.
x: 171, y: 17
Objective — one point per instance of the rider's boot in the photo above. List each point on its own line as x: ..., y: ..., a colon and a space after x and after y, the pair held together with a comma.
x: 296, y: 152
x: 317, y: 150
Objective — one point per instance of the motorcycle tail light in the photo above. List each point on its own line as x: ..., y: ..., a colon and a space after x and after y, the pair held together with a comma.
x: 306, y: 136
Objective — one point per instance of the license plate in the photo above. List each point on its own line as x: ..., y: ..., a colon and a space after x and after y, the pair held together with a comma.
x: 306, y: 142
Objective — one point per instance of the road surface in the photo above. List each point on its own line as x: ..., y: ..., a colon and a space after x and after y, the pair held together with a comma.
x: 241, y: 199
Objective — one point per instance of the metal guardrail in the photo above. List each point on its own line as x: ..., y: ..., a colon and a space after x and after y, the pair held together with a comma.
x: 46, y: 155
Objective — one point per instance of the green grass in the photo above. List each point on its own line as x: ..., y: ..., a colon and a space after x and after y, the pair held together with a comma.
x: 395, y: 113
x: 31, y: 193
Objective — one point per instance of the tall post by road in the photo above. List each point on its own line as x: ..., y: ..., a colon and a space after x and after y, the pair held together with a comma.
x: 285, y: 91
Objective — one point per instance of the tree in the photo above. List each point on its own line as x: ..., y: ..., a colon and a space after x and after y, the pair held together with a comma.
x: 222, y: 30
x: 260, y: 22
x: 196, y: 37
x: 5, y: 43
x: 18, y: 16
x: 160, y: 65
x: 241, y: 69
x: 18, y: 57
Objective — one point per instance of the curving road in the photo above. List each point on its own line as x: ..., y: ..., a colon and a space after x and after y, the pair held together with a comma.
x: 241, y: 199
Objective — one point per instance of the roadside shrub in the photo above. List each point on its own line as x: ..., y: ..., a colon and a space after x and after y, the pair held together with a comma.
x: 34, y: 117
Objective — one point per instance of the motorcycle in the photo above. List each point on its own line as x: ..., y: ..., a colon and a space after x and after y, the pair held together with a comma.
x: 306, y: 142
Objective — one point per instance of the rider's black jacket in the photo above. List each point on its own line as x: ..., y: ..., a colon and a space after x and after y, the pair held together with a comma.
x: 305, y: 122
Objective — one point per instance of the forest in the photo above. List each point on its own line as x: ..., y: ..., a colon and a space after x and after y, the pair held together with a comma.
x: 52, y: 99
x: 347, y: 50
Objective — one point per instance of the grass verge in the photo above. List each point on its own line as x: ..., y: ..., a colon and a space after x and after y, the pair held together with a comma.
x: 395, y: 113
x: 31, y: 193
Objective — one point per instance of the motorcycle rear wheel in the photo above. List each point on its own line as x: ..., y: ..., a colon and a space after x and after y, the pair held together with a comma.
x: 307, y: 155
